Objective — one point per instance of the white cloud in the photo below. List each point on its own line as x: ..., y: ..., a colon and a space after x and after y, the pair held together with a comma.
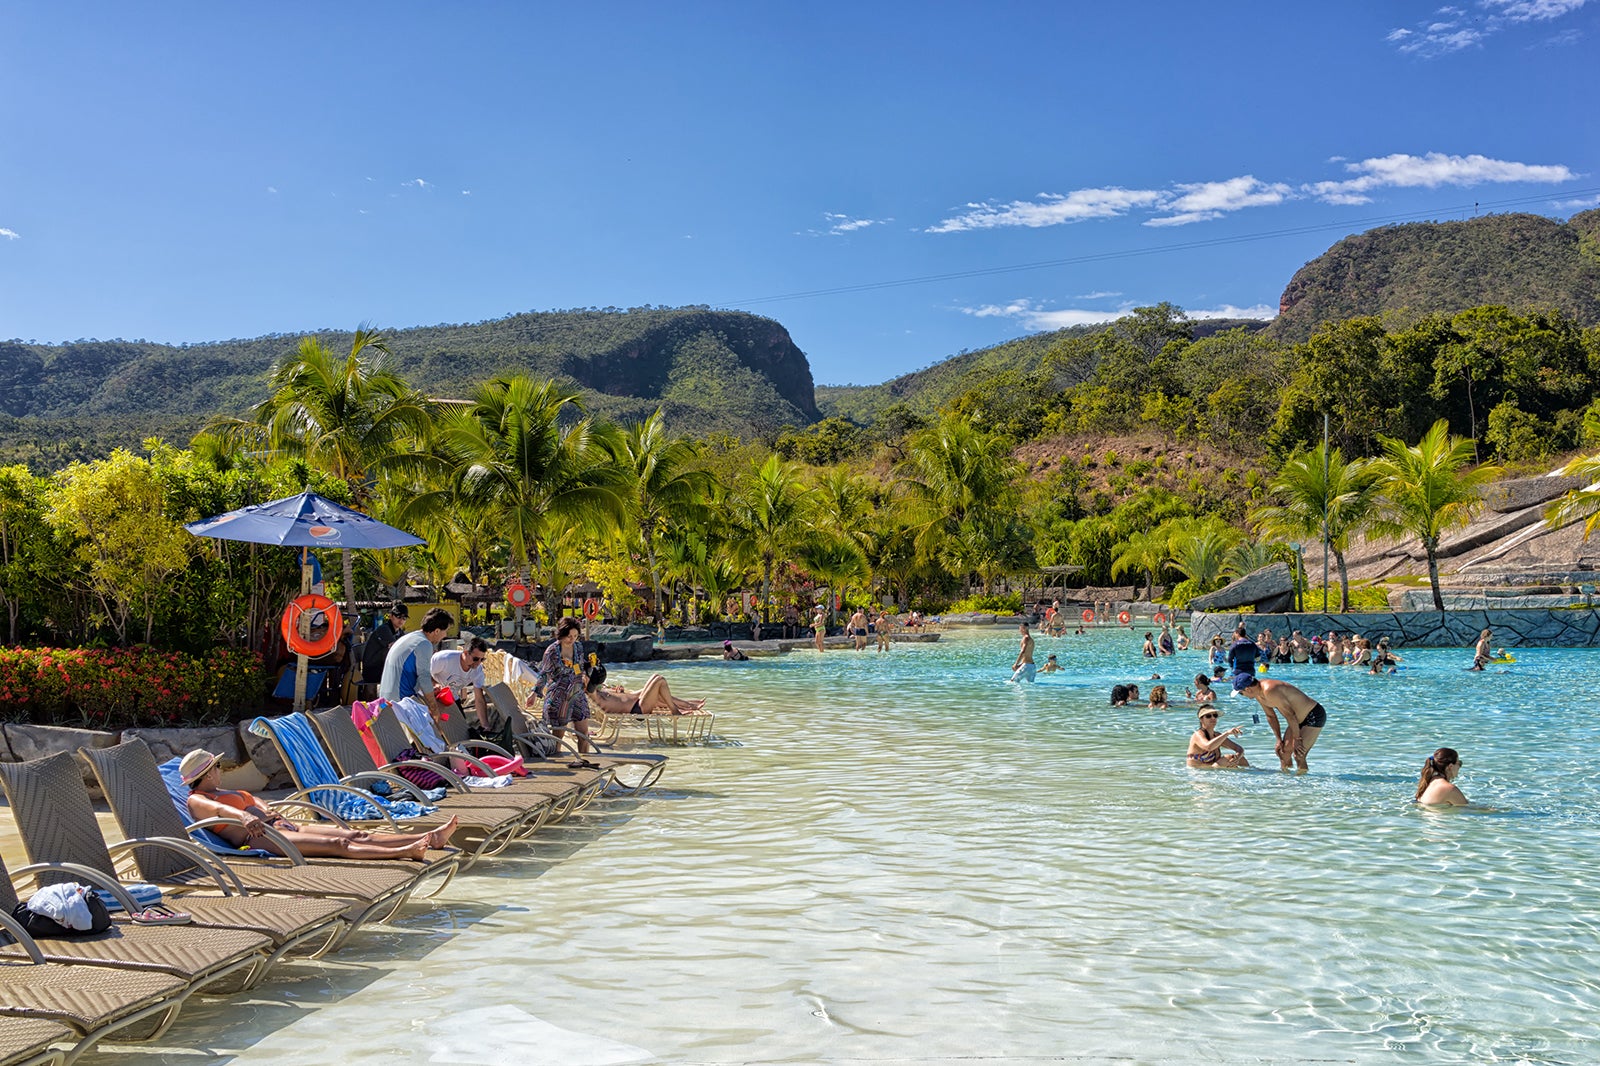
x: 418, y: 183
x: 273, y: 189
x: 839, y: 224
x: 1441, y: 36
x: 1430, y: 171
x: 1050, y: 209
x: 1564, y: 38
x: 466, y: 192
x: 1095, y: 295
x: 1212, y: 199
x: 10, y: 234
x: 1033, y: 315
x: 1592, y: 201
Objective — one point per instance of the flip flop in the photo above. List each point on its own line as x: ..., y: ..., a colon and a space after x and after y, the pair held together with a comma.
x: 582, y: 764
x: 161, y: 916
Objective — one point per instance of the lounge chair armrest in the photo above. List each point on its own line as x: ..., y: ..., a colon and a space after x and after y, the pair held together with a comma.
x: 470, y: 745
x: 15, y: 931
x: 190, y: 850
x: 93, y: 876
x: 358, y: 793
x: 409, y: 788
x: 315, y: 808
x: 476, y: 764
x: 290, y: 852
x: 432, y: 767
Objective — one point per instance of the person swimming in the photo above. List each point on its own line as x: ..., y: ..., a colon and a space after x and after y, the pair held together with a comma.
x: 1051, y: 665
x: 1437, y: 784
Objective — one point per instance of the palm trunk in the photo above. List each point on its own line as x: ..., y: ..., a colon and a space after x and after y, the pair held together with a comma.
x: 655, y: 582
x: 347, y: 565
x: 766, y: 586
x: 1344, y: 582
x: 1433, y: 576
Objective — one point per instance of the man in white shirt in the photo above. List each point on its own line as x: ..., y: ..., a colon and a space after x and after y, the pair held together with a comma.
x: 407, y: 669
x: 463, y: 669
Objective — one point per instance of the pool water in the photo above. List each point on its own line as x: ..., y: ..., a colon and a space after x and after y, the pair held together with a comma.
x: 900, y: 857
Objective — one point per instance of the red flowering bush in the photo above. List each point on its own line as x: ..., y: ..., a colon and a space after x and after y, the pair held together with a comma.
x: 114, y: 688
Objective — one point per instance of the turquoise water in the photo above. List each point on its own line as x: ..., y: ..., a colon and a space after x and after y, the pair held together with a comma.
x: 902, y: 858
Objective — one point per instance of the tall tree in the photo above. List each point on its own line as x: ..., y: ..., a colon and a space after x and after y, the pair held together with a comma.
x: 954, y: 473
x: 340, y: 413
x: 1315, y: 484
x: 771, y: 508
x: 665, y: 486
x: 1149, y: 550
x: 1427, y: 489
x: 524, y: 452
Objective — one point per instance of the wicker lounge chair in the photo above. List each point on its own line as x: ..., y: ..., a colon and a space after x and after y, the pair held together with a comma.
x: 31, y: 1042
x: 584, y: 783
x: 148, y: 812
x: 207, y: 959
x: 536, y: 738
x: 343, y: 742
x: 482, y: 830
x: 91, y: 1003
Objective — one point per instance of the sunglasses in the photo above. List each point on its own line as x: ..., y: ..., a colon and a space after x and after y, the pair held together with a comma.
x: 1203, y: 717
x: 474, y: 658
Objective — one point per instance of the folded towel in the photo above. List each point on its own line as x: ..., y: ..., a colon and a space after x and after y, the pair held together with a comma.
x: 144, y: 896
x: 312, y: 768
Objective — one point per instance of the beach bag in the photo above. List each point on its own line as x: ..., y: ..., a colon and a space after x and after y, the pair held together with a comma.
x: 503, y: 736
x: 44, y: 927
x: 425, y: 779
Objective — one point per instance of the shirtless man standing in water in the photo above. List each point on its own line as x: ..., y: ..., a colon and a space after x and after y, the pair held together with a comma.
x: 1303, y: 716
x: 1023, y: 669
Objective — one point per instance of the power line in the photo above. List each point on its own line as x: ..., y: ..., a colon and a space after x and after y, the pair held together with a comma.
x: 1130, y: 253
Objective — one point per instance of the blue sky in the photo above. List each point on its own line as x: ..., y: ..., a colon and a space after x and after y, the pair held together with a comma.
x: 892, y: 182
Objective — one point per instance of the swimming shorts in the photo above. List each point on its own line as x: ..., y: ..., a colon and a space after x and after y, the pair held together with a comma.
x: 859, y: 632
x: 1315, y: 718
x: 1025, y: 672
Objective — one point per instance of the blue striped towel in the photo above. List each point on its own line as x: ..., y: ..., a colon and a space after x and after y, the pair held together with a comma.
x: 298, y: 740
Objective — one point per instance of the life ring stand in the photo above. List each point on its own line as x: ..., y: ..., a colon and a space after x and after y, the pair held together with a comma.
x: 519, y: 595
x: 1088, y: 615
x: 1160, y: 619
x: 591, y: 608
x: 1124, y: 617
x: 300, y: 625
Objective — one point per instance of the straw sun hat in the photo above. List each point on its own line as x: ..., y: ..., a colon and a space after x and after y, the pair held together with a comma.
x: 195, y: 765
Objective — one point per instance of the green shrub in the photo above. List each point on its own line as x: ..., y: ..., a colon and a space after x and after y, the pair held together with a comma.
x: 1010, y: 603
x: 116, y: 688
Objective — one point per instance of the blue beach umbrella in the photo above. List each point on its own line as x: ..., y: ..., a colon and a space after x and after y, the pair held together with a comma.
x: 304, y: 521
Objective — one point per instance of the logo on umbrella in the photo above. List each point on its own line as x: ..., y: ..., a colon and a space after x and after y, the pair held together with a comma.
x: 324, y: 532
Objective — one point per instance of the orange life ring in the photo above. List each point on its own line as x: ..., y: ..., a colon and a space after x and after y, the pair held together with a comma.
x: 519, y: 595
x: 310, y: 625
x: 591, y: 608
x: 1124, y: 617
x: 1160, y: 618
x: 750, y: 601
x: 1088, y: 615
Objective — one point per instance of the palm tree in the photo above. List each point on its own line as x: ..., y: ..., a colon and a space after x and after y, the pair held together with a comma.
x: 1315, y: 485
x: 1148, y: 550
x: 771, y: 510
x: 343, y: 414
x: 1581, y: 503
x: 1200, y: 549
x: 664, y: 488
x: 522, y: 453
x: 954, y: 471
x: 836, y: 561
x: 1248, y: 556
x: 1427, y: 490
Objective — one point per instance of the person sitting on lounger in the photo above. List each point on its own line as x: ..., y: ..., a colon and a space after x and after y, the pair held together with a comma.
x: 208, y: 799
x: 654, y: 698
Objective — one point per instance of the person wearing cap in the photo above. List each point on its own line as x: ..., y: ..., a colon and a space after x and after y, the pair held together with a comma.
x: 201, y: 771
x: 377, y: 646
x: 1206, y: 747
x: 732, y: 654
x: 1303, y: 716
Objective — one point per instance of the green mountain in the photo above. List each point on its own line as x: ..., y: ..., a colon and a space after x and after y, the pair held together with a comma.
x: 924, y: 391
x: 1523, y: 262
x: 708, y: 371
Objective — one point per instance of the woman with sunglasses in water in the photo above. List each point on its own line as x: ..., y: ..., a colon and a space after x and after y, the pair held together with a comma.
x: 1210, y: 750
x: 1437, y: 785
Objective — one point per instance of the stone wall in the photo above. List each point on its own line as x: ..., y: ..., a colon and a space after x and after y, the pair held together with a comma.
x: 1513, y: 628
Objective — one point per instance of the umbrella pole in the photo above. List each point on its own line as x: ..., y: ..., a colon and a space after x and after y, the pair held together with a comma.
x: 300, y: 661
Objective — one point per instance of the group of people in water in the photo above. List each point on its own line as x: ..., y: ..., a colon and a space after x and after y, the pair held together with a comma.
x: 1295, y: 718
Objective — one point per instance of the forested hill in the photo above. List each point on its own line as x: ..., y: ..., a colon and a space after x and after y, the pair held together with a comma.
x: 922, y: 392
x: 1523, y: 262
x: 708, y: 370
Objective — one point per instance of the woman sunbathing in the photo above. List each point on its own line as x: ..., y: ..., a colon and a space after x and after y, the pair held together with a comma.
x: 208, y: 799
x: 654, y: 698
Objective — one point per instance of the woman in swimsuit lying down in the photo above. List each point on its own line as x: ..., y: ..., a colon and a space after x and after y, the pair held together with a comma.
x: 208, y: 799
x: 654, y: 698
x: 1206, y: 748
